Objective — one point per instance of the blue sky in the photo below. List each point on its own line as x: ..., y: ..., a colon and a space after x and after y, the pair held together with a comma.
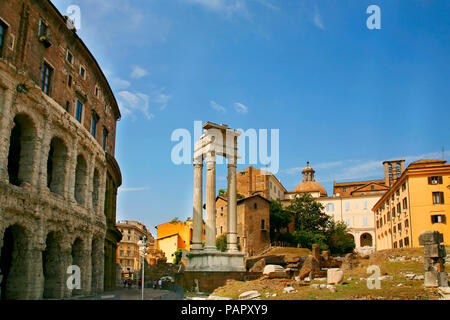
x: 344, y: 97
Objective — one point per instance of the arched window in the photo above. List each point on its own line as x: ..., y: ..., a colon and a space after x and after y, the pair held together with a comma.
x: 21, y: 150
x: 56, y: 166
x: 80, y: 180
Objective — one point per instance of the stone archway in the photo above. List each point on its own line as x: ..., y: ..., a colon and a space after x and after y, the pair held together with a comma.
x: 56, y: 166
x: 53, y: 268
x: 366, y: 240
x: 80, y: 180
x: 13, y: 264
x: 78, y: 259
x: 21, y: 150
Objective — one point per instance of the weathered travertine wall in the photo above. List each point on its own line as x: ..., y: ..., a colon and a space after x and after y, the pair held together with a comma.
x: 58, y: 181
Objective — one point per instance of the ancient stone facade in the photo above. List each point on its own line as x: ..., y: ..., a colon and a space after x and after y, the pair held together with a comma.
x: 58, y: 175
x: 253, y: 222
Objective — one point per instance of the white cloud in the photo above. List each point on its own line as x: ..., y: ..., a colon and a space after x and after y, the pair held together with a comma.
x: 160, y: 98
x: 318, y: 20
x: 130, y: 103
x: 228, y: 7
x: 120, y: 84
x: 241, y: 108
x: 138, y: 72
x: 217, y: 107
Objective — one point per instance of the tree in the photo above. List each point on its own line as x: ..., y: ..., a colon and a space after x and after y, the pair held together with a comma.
x: 177, y: 259
x: 312, y: 225
x: 175, y: 220
x: 224, y: 193
x: 339, y: 240
x: 279, y: 219
x: 221, y: 242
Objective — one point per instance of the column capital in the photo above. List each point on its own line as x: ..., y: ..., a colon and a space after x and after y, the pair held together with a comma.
x: 211, y: 157
x: 198, y: 162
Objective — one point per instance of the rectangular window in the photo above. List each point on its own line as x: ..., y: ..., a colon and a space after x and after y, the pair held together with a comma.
x: 94, y: 122
x: 399, y: 208
x: 347, y: 222
x: 43, y: 29
x: 330, y: 207
x: 347, y: 206
x: 83, y: 72
x: 438, y: 218
x: 364, y: 205
x: 401, y: 243
x: 69, y: 57
x: 435, y: 180
x: 404, y: 186
x: 47, y: 72
x: 438, y: 198
x: 395, y: 229
x: 405, y: 203
x: 399, y: 227
x: 3, y: 28
x: 395, y: 245
x: 79, y: 112
x: 406, y: 242
x: 67, y: 106
x: 69, y: 81
x: 96, y: 91
x: 365, y: 221
x: 105, y: 138
x: 263, y: 224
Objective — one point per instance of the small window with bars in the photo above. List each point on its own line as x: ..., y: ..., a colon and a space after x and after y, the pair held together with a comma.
x: 47, y: 73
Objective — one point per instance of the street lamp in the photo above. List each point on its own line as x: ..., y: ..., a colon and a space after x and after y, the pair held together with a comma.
x: 142, y: 248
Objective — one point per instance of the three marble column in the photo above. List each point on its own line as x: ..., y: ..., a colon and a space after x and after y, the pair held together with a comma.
x: 210, y: 221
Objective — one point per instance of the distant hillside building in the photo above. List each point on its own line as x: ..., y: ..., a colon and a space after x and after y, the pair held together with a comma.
x: 418, y: 200
x: 128, y: 255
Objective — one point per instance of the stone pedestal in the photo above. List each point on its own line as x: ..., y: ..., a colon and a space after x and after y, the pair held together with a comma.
x: 434, y: 255
x: 215, y: 262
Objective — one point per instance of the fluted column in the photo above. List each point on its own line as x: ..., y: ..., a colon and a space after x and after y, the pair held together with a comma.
x: 210, y: 202
x: 197, y: 235
x: 232, y: 207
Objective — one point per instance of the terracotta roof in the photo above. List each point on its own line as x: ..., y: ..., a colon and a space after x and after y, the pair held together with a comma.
x: 311, y: 186
x: 428, y: 161
x: 352, y: 183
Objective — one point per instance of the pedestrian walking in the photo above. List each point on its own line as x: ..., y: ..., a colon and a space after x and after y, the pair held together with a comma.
x: 160, y: 284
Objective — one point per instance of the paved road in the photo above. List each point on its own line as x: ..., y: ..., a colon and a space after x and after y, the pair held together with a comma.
x: 135, y: 294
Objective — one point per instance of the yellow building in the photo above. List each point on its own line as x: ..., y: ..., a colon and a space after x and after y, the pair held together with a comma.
x: 173, y: 236
x: 128, y: 254
x: 418, y: 201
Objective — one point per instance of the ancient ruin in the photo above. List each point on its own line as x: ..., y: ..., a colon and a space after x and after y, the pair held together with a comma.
x: 434, y: 259
x: 58, y: 174
x: 217, y: 140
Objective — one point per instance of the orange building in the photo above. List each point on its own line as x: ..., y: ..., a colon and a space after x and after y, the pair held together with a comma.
x: 418, y: 201
x: 174, y: 235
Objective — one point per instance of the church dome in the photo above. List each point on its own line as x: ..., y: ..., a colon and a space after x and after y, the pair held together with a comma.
x: 309, y: 184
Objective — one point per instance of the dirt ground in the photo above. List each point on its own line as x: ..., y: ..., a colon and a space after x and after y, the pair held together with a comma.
x: 396, y: 263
